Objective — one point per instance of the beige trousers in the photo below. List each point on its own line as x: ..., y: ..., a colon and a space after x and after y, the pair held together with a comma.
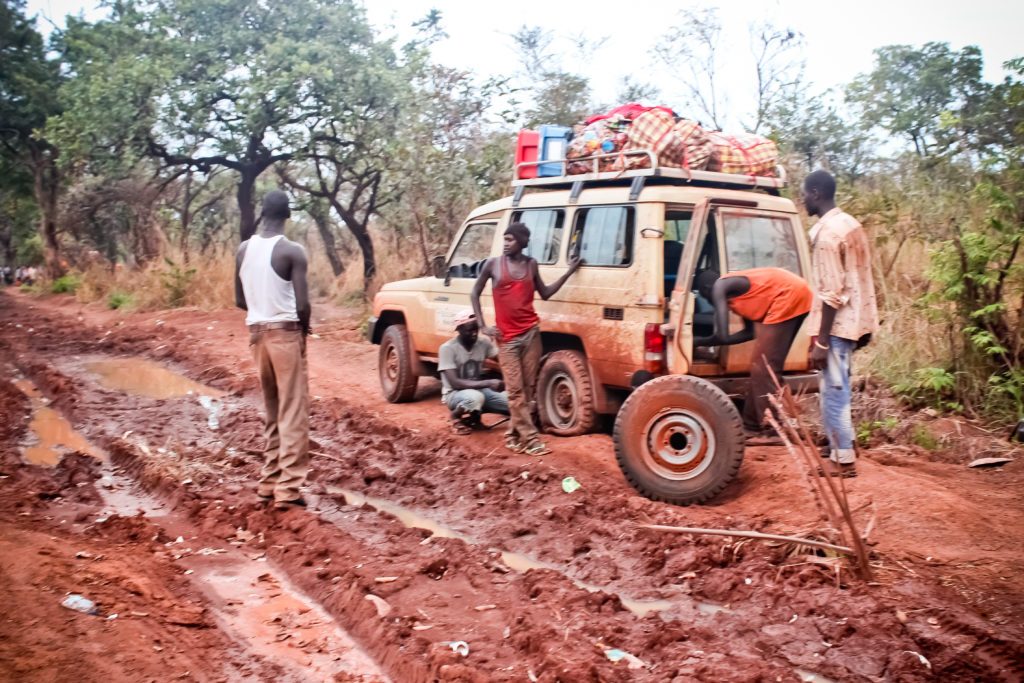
x: 280, y: 357
x: 520, y: 362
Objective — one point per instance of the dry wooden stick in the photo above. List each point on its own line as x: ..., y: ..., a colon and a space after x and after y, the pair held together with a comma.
x: 747, y: 534
x: 788, y: 409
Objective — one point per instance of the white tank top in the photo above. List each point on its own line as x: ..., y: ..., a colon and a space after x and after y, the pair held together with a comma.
x: 269, y: 297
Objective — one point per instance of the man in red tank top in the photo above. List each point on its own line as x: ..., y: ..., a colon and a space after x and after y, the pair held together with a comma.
x: 514, y: 279
x: 773, y: 304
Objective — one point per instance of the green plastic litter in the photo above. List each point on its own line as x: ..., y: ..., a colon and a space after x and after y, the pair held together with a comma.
x: 569, y: 484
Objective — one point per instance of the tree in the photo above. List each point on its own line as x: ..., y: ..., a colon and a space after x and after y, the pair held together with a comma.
x: 28, y: 95
x: 204, y: 84
x: 928, y: 96
x: 691, y: 52
x: 559, y: 96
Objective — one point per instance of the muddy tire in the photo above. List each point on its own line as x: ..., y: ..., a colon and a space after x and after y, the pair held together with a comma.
x: 565, y: 395
x: 679, y: 439
x: 394, y: 365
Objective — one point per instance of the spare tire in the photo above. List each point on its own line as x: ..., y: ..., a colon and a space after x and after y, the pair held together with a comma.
x: 679, y: 439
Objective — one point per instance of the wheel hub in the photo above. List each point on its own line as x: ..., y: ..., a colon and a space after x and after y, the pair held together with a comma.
x: 562, y: 400
x: 679, y: 444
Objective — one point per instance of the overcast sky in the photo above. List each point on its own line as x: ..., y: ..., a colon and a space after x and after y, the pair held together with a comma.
x: 840, y: 36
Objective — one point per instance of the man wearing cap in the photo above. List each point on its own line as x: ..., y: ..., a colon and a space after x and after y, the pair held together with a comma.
x: 270, y: 284
x: 461, y: 361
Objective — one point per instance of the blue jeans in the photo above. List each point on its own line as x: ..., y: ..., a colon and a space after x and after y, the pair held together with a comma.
x: 477, y: 400
x: 834, y: 388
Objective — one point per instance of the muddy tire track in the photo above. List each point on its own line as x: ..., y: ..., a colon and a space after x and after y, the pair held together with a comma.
x: 734, y: 610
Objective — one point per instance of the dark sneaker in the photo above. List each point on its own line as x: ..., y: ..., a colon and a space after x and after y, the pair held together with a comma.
x: 762, y: 437
x: 833, y: 469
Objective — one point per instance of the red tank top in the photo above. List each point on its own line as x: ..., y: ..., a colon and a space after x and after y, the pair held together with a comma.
x: 775, y: 295
x: 513, y: 304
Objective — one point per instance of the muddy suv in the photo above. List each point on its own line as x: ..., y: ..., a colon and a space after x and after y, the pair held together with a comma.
x: 618, y: 337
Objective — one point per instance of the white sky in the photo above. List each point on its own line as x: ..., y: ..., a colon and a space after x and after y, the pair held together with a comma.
x: 840, y: 36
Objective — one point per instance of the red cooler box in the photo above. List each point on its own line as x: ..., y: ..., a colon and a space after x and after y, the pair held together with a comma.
x: 527, y: 145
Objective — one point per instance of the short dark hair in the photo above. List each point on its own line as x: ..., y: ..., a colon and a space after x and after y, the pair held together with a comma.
x: 705, y: 278
x: 275, y: 205
x: 823, y: 182
x: 520, y: 232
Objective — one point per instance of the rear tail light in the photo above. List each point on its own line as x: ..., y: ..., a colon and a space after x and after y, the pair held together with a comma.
x: 654, y: 348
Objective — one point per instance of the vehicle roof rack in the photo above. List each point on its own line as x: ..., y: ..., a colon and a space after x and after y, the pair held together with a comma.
x: 654, y: 175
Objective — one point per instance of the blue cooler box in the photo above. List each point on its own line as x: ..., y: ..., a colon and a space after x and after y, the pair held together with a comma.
x: 553, y: 140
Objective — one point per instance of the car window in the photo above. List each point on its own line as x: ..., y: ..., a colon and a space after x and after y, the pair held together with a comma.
x: 473, y: 249
x: 759, y: 241
x: 603, y: 236
x: 545, y: 232
x: 677, y: 225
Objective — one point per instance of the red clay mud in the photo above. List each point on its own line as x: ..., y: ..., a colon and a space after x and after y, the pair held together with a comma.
x: 946, y: 546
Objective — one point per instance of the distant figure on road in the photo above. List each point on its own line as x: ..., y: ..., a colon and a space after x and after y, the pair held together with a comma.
x: 270, y: 283
x: 461, y: 361
x: 845, y: 313
x: 773, y: 304
x: 515, y: 279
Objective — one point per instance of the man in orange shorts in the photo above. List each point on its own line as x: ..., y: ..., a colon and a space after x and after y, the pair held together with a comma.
x: 773, y: 304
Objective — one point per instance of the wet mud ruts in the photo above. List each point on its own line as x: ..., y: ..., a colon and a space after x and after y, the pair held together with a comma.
x: 776, y: 612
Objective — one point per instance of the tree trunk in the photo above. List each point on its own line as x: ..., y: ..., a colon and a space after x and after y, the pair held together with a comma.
x: 323, y: 225
x: 46, y: 182
x: 246, y: 209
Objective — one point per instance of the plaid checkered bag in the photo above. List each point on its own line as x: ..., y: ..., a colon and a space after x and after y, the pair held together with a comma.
x: 680, y: 144
x: 744, y: 153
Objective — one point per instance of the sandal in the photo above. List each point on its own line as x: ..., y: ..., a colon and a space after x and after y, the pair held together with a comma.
x: 536, y: 448
x: 460, y: 428
x: 844, y: 471
x: 512, y: 443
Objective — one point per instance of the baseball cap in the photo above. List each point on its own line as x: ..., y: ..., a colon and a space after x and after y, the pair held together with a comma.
x: 462, y: 317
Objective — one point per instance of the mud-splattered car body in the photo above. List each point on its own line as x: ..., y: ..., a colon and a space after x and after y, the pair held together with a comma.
x: 630, y: 313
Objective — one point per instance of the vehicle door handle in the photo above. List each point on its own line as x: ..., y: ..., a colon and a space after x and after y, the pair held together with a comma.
x: 440, y: 298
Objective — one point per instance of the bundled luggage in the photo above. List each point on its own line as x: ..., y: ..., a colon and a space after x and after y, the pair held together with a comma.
x: 675, y: 143
x: 745, y: 153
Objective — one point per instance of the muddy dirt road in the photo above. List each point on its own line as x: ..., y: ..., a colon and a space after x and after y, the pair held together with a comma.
x: 129, y: 444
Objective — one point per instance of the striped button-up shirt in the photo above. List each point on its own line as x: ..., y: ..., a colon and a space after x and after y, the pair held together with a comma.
x: 842, y: 274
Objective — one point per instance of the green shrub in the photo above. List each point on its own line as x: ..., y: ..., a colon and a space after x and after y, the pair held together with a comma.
x: 66, y: 284
x: 923, y: 437
x: 119, y: 299
x: 176, y: 281
x: 866, y: 431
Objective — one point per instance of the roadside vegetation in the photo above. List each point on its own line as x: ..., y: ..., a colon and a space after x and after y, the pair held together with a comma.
x: 134, y: 150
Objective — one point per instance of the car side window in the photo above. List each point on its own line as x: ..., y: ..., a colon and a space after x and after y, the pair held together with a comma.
x: 545, y: 232
x: 472, y: 250
x: 759, y: 241
x: 603, y: 235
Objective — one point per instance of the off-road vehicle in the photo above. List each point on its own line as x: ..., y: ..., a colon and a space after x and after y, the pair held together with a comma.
x: 618, y: 337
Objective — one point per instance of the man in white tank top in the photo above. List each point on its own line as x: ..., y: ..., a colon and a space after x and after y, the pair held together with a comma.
x: 270, y: 283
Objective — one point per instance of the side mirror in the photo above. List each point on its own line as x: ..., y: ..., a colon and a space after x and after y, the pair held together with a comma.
x: 437, y: 265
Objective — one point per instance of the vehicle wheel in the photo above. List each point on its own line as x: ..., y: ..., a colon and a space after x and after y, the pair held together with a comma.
x: 565, y: 395
x: 679, y: 439
x: 394, y: 365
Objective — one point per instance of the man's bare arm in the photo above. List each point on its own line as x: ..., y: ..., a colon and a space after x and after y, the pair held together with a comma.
x: 456, y: 382
x: 486, y: 273
x: 239, y: 291
x: 300, y: 266
x: 548, y: 291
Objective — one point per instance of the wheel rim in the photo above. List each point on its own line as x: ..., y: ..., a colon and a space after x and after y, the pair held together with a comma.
x: 391, y: 363
x: 678, y: 444
x: 562, y: 399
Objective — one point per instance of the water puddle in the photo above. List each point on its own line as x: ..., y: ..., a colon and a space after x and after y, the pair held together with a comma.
x: 55, y: 434
x: 146, y: 378
x: 276, y: 620
x: 515, y: 561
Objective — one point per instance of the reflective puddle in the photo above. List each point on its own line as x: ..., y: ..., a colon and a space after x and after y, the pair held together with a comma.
x: 56, y: 436
x: 515, y: 561
x: 146, y: 378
